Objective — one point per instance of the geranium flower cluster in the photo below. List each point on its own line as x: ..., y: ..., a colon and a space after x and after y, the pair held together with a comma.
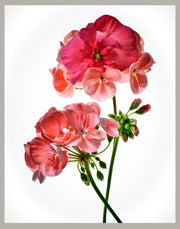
x: 77, y: 125
x: 99, y: 55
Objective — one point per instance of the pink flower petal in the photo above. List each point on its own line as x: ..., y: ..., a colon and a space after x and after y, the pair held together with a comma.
x: 71, y: 55
x: 112, y: 74
x: 96, y: 85
x: 88, y: 34
x: 95, y: 107
x: 138, y: 82
x: 64, y: 88
x: 110, y: 126
x: 107, y: 23
x: 89, y: 145
x: 145, y: 61
x: 70, y: 35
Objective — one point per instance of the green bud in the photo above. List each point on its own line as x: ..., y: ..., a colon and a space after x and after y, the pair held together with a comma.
x: 102, y: 164
x: 122, y: 121
x: 124, y: 137
x: 92, y: 165
x: 125, y: 116
x: 120, y: 113
x: 85, y: 179
x: 133, y: 121
x: 82, y: 169
x: 127, y: 126
x: 100, y: 176
x: 97, y: 158
x: 131, y: 135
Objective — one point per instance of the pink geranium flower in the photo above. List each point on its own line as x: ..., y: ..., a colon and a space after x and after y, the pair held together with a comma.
x: 84, y: 118
x: 60, y: 81
x: 138, y: 79
x: 44, y: 159
x: 87, y: 137
x: 105, y: 43
x: 100, y: 85
x: 54, y: 126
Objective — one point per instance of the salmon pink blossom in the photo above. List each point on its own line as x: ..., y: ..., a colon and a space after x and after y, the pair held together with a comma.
x: 44, y: 159
x: 138, y: 79
x: 61, y: 85
x: 100, y: 85
x: 54, y: 127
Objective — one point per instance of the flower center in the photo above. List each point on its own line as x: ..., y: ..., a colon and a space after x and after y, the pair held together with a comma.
x: 134, y: 72
x: 97, y: 56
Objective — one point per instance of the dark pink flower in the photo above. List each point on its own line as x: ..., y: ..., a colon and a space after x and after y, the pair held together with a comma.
x: 138, y: 80
x: 105, y: 43
x: 44, y: 159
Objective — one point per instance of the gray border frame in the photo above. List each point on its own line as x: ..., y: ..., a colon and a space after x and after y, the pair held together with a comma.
x: 85, y: 2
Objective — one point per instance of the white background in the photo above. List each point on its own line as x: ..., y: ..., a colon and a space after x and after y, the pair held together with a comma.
x: 143, y: 184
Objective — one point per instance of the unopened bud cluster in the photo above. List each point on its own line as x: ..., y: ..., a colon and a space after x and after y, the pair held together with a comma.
x: 99, y: 174
x: 128, y: 126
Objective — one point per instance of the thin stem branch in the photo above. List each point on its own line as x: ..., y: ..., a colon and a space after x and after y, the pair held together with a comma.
x: 99, y: 193
x: 104, y: 149
x: 115, y: 145
x: 114, y: 105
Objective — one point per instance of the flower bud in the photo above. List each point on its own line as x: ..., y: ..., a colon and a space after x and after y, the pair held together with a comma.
x: 102, y: 164
x: 124, y: 137
x: 125, y: 116
x: 97, y: 158
x: 92, y: 165
x: 82, y: 169
x: 131, y: 135
x: 120, y: 113
x: 100, y: 176
x: 85, y: 179
x: 135, y: 130
x: 135, y: 104
x: 127, y: 126
x: 143, y: 109
x: 133, y: 121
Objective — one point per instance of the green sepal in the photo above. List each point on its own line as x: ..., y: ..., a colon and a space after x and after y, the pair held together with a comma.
x: 110, y: 138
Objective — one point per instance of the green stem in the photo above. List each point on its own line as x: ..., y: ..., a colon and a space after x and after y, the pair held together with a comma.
x: 116, y: 141
x: 115, y: 145
x: 114, y: 105
x: 99, y: 193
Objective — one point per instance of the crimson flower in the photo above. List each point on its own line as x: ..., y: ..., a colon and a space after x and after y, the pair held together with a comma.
x: 106, y: 42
